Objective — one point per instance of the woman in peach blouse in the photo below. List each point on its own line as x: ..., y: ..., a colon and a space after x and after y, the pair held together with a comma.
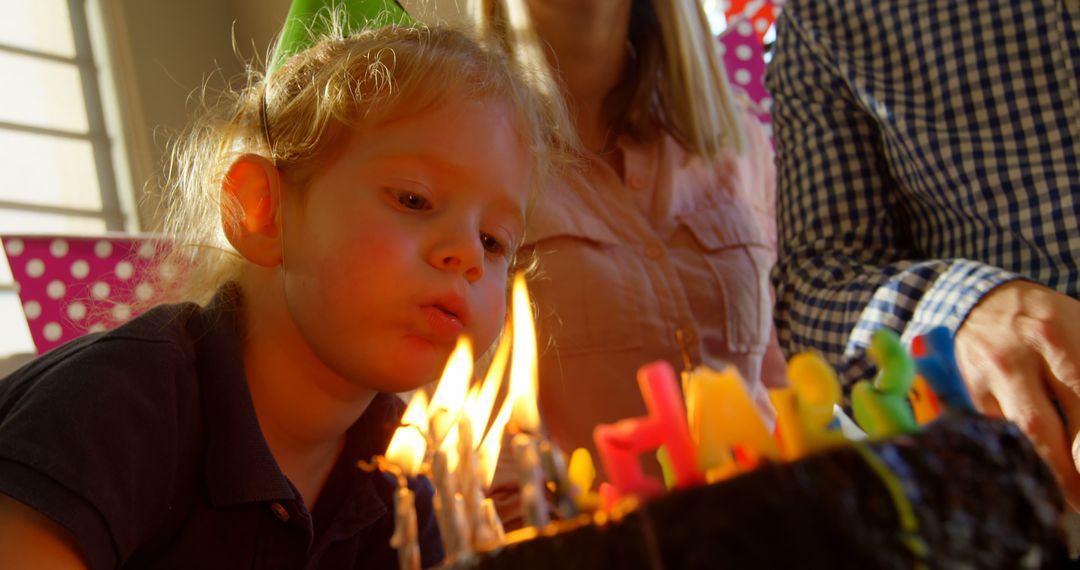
x: 659, y: 246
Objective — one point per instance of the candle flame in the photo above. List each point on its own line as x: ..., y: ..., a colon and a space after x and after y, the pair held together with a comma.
x: 447, y: 403
x: 488, y: 455
x: 481, y: 402
x: 407, y: 446
x: 523, y: 374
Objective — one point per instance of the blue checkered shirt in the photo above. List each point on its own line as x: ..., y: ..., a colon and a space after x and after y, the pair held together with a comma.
x: 927, y: 152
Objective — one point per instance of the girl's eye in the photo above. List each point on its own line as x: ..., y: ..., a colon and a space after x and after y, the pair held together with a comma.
x: 492, y: 245
x: 413, y: 201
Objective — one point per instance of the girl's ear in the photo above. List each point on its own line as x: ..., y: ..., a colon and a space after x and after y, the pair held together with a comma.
x: 249, y: 209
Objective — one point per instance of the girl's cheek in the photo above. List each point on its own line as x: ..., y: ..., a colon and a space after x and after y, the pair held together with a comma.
x: 497, y: 306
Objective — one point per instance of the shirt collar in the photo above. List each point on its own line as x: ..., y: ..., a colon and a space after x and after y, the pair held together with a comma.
x: 371, y: 494
x: 239, y: 465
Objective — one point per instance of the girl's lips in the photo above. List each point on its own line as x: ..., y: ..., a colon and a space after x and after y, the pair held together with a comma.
x: 441, y: 323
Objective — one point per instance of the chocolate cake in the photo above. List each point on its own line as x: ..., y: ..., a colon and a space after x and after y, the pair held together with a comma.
x: 964, y: 492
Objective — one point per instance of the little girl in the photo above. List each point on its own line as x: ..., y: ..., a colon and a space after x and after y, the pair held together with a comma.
x: 362, y: 206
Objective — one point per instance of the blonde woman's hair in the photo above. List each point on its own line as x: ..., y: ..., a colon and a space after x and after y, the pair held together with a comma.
x: 675, y: 81
x: 296, y: 116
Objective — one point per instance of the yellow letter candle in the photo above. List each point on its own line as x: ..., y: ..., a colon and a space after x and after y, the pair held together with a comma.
x: 722, y: 415
x: 804, y: 410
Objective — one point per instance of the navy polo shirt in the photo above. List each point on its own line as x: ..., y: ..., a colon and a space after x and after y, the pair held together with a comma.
x: 143, y: 442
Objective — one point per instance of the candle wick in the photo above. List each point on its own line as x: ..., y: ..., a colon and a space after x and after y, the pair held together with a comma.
x: 680, y: 339
x: 454, y: 418
x: 514, y: 428
x: 381, y: 463
x: 368, y: 467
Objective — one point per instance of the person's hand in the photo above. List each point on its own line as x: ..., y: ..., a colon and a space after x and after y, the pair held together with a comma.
x: 1019, y: 352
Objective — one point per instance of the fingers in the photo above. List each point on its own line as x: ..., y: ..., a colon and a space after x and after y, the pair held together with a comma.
x: 973, y: 369
x: 1070, y: 406
x: 1025, y: 402
x: 987, y: 405
x: 1061, y: 370
x: 1015, y: 351
x: 1021, y: 382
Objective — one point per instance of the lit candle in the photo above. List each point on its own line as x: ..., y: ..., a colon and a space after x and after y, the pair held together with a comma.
x: 804, y: 410
x: 461, y: 525
x: 406, y: 536
x: 491, y: 446
x: 935, y: 355
x: 487, y: 459
x: 453, y: 535
x: 554, y: 467
x: 881, y: 408
x: 492, y: 522
x: 530, y: 479
x: 404, y: 457
x: 480, y: 534
x: 468, y: 482
x: 621, y: 443
x: 525, y: 415
x: 722, y: 416
x: 444, y: 413
x: 484, y: 532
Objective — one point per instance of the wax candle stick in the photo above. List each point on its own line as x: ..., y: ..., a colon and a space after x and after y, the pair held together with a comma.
x: 530, y: 479
x: 493, y: 524
x: 881, y: 408
x: 443, y: 415
x: 405, y: 538
x: 468, y: 481
x: 935, y: 356
x: 481, y: 534
x: 406, y: 535
x: 462, y: 526
x: 525, y: 412
x: 453, y: 534
x: 554, y: 467
x: 621, y: 443
x: 404, y: 458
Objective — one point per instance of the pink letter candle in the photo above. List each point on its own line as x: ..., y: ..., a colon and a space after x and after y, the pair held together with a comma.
x: 621, y: 443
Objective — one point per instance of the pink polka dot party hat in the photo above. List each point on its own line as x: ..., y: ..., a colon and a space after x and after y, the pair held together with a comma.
x: 70, y: 286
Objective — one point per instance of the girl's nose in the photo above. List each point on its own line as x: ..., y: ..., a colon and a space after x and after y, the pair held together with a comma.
x: 461, y: 253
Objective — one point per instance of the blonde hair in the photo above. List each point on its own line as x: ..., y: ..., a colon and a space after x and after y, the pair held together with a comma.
x: 675, y: 81
x: 295, y: 116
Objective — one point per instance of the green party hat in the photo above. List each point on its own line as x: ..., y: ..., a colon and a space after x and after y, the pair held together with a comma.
x: 308, y: 20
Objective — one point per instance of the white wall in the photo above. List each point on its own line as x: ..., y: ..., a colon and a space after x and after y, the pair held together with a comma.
x: 164, y: 51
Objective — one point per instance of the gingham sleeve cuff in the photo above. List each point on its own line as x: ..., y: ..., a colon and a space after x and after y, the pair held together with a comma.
x: 947, y: 300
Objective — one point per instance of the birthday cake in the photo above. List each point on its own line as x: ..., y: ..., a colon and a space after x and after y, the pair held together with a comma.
x: 963, y: 492
x: 930, y: 484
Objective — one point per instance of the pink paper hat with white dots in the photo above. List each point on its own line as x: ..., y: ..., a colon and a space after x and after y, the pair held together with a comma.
x: 69, y: 286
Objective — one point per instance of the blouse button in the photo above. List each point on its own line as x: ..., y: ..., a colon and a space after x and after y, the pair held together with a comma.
x: 652, y: 251
x: 280, y: 512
